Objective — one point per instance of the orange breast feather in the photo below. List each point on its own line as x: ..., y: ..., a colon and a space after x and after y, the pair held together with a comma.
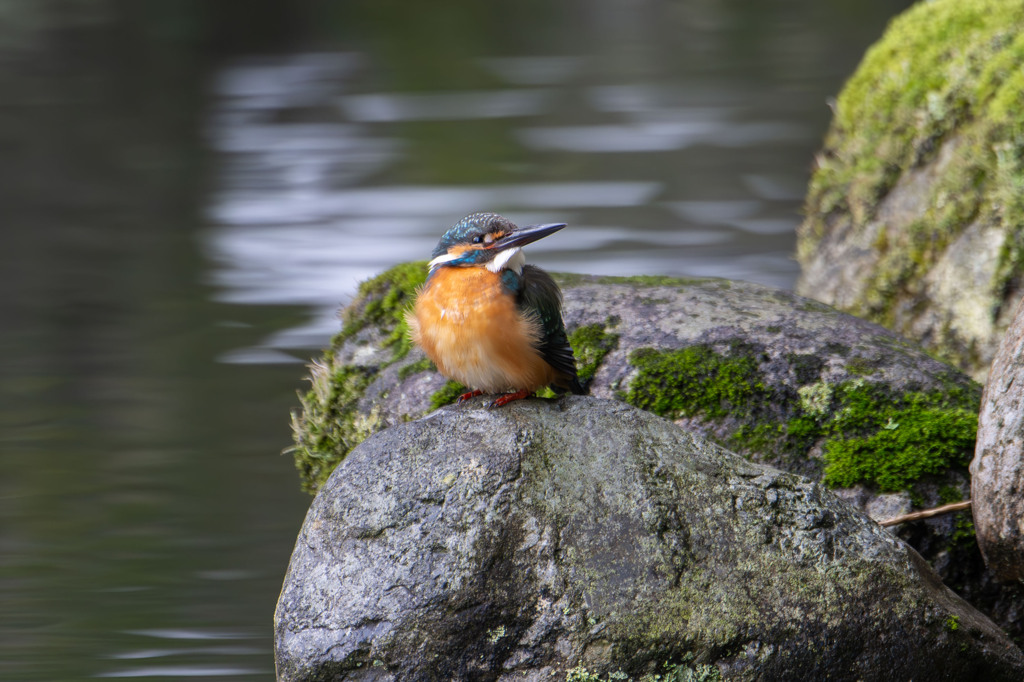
x: 471, y: 328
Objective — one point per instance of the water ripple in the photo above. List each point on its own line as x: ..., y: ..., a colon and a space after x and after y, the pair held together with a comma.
x: 282, y: 208
x: 185, y: 671
x: 455, y: 106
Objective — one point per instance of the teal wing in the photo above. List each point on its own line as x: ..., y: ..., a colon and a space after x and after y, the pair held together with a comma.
x: 538, y: 295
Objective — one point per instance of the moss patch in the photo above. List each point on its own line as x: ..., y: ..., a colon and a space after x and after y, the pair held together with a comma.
x: 382, y: 302
x: 329, y: 424
x: 424, y: 365
x: 892, y: 442
x: 816, y: 399
x: 869, y: 433
x: 590, y: 344
x: 937, y: 63
x: 696, y: 380
x: 963, y: 538
x: 447, y: 395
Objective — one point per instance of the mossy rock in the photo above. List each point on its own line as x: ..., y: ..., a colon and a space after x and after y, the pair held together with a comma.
x: 771, y: 375
x: 915, y: 211
x: 778, y: 378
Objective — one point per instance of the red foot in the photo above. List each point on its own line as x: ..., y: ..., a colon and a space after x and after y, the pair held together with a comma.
x: 471, y: 394
x: 506, y: 398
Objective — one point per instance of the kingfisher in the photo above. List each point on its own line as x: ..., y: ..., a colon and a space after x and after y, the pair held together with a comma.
x: 487, y: 319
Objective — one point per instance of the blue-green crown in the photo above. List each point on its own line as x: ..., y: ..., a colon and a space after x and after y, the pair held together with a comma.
x: 473, y: 225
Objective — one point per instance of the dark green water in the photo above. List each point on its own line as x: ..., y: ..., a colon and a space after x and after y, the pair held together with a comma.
x: 189, y: 189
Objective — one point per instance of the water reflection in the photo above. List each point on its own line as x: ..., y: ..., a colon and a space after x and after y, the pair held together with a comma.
x: 249, y: 210
x: 598, y: 139
x: 458, y: 106
x: 189, y: 661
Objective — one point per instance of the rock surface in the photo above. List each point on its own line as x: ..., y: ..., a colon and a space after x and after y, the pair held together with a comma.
x: 522, y: 543
x: 997, y: 484
x: 915, y: 217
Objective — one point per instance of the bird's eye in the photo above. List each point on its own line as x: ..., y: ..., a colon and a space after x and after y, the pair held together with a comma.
x: 477, y: 239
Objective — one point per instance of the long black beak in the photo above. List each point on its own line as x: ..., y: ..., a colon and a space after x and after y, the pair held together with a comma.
x: 525, y: 235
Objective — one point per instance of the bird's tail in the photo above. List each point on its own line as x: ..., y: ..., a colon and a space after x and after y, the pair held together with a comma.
x: 573, y: 385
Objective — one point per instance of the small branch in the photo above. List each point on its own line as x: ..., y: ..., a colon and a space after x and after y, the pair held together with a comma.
x: 926, y: 513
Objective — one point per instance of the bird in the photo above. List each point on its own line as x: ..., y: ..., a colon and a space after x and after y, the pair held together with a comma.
x: 487, y: 319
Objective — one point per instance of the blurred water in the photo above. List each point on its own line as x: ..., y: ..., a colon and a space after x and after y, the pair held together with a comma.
x: 189, y: 191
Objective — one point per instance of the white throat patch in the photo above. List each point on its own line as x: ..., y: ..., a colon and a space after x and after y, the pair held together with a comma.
x: 509, y: 259
x: 442, y: 259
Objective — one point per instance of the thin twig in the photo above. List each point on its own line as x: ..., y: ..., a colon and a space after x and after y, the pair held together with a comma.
x: 926, y: 513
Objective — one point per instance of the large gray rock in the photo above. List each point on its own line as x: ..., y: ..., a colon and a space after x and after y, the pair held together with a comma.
x: 997, y: 484
x: 522, y: 543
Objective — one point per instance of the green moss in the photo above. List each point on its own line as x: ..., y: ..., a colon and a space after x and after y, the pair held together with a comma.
x: 964, y: 534
x: 953, y: 623
x: 447, y: 395
x: 944, y: 69
x: 382, y: 302
x: 590, y: 344
x: 424, y: 365
x: 869, y: 433
x: 897, y: 445
x: 697, y: 379
x: 813, y: 306
x: 545, y: 393
x: 891, y: 441
x: 1010, y: 198
x: 948, y: 494
x: 571, y: 279
x: 329, y: 424
x: 911, y: 88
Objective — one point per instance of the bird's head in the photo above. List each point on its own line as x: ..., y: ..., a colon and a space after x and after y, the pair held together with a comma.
x: 487, y: 240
